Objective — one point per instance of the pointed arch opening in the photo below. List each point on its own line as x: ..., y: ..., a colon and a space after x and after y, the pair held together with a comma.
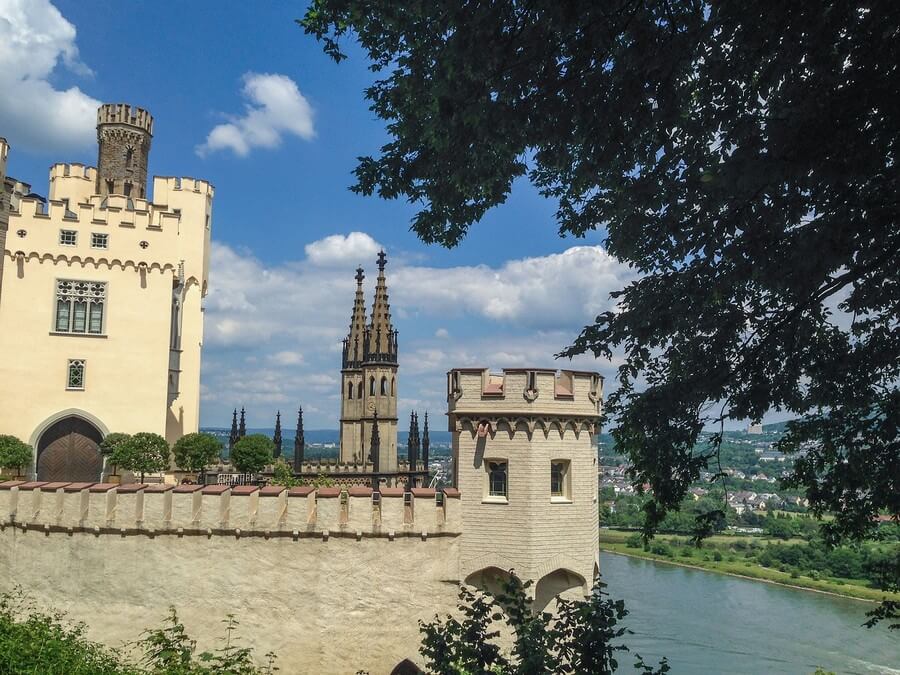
x: 371, y: 386
x: 359, y: 390
x: 350, y: 390
x: 559, y: 582
x: 393, y: 386
x: 384, y: 386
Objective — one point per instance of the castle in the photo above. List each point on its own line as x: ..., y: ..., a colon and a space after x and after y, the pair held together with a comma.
x: 333, y: 579
x: 100, y: 301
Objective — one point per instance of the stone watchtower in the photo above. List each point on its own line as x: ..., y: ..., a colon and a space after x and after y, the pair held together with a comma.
x: 526, y: 467
x: 123, y: 134
x: 369, y: 381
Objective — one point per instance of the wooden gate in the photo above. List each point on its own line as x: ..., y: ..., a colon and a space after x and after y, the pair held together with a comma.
x: 70, y: 451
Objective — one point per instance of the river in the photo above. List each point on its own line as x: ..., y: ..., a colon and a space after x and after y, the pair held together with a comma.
x: 707, y: 623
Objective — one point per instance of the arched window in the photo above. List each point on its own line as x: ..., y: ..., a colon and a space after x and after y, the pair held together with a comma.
x: 350, y: 390
x: 358, y: 389
x: 384, y: 386
x: 371, y: 386
x: 129, y: 157
x: 496, y: 479
x: 393, y: 386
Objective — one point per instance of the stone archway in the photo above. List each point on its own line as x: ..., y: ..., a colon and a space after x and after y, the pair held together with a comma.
x: 69, y: 450
x: 407, y: 667
x: 558, y: 582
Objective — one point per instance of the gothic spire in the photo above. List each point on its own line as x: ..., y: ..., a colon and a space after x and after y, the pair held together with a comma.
x: 382, y: 339
x: 354, y: 345
x: 426, y: 444
x: 276, y: 439
x: 410, y: 445
x: 242, y: 427
x: 299, y: 442
x: 233, y: 437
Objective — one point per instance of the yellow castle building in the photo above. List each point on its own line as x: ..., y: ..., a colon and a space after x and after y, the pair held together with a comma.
x: 101, y: 290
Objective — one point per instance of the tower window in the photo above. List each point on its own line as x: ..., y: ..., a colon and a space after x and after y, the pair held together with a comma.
x: 110, y: 186
x: 350, y: 390
x: 127, y: 189
x: 359, y: 390
x: 68, y: 237
x: 129, y: 157
x: 79, y: 306
x: 559, y: 480
x: 496, y: 480
x: 75, y: 375
x: 393, y: 386
x: 371, y: 386
x: 99, y: 240
x: 384, y: 386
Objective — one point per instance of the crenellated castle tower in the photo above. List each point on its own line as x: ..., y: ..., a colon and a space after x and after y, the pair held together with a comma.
x: 124, y: 134
x: 369, y: 380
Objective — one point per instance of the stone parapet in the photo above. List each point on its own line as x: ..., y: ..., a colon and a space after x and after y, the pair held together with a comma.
x: 218, y: 510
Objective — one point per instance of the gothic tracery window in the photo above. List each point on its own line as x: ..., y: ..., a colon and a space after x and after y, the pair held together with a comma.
x: 80, y: 306
x: 75, y: 375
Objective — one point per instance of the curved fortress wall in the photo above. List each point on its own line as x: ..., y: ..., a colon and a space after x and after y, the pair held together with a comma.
x: 332, y: 582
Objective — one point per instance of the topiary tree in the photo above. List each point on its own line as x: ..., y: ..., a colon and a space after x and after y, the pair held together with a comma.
x: 14, y: 454
x: 194, y: 452
x: 109, y: 444
x: 142, y: 453
x: 252, y: 453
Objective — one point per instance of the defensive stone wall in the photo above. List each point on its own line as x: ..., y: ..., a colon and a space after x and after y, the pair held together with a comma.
x: 332, y: 581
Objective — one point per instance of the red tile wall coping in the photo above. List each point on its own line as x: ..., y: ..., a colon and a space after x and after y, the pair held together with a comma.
x: 453, y: 493
x: 76, y: 487
x: 53, y: 486
x: 215, y: 489
x: 244, y: 489
x: 272, y: 490
x: 131, y: 488
x: 392, y: 492
x: 300, y: 491
x: 423, y: 492
x: 10, y: 484
x: 360, y: 491
x: 158, y: 487
x: 328, y: 492
x: 182, y: 489
x: 103, y: 487
x: 32, y: 485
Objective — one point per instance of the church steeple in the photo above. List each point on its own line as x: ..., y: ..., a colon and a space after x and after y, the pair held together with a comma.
x: 276, y: 439
x: 381, y: 345
x: 354, y: 344
x: 233, y: 437
x: 242, y: 427
x: 299, y: 442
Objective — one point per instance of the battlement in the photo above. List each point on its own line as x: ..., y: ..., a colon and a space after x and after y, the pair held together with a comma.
x: 73, y: 170
x: 123, y: 113
x: 164, y: 184
x: 220, y: 510
x: 477, y: 392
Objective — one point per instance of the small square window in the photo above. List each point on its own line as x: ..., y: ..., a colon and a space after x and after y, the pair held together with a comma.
x: 68, y: 237
x: 99, y: 240
x: 75, y: 375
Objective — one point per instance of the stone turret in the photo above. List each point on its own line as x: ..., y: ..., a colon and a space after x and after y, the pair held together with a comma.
x: 525, y: 463
x: 124, y: 134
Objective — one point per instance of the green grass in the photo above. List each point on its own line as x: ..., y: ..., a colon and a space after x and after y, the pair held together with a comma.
x: 850, y: 588
x: 616, y: 536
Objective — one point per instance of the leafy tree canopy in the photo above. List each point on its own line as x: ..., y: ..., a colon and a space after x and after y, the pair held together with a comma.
x: 252, y: 453
x: 142, y: 453
x: 743, y: 160
x: 14, y: 454
x: 111, y: 441
x: 196, y: 451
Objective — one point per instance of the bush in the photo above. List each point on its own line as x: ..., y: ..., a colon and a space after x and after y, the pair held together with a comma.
x: 717, y: 555
x: 14, y: 454
x: 634, y: 541
x: 252, y: 453
x: 660, y: 548
x: 283, y: 474
x: 194, y: 452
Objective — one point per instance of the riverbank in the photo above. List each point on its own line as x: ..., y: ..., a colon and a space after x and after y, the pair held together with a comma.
x: 748, y: 570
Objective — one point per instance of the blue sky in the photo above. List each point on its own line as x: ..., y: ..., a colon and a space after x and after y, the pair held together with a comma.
x: 243, y: 98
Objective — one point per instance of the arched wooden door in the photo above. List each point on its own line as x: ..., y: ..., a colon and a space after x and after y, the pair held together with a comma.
x: 70, y: 451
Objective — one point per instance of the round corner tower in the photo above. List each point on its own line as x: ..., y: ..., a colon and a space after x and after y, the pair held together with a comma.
x: 124, y: 133
x: 525, y: 463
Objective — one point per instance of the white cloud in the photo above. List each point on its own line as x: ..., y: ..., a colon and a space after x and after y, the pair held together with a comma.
x: 275, y: 108
x: 354, y: 248
x: 34, y: 115
x: 518, y: 313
